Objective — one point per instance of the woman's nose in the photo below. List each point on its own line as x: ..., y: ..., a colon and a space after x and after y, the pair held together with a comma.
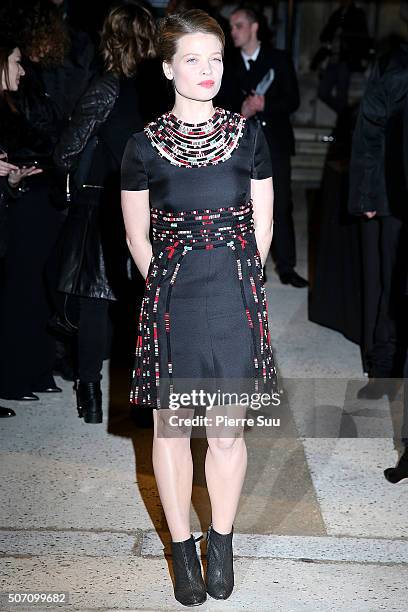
x: 207, y: 68
x: 22, y: 71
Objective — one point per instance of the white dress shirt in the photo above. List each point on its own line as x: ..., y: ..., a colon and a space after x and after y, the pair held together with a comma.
x: 253, y: 57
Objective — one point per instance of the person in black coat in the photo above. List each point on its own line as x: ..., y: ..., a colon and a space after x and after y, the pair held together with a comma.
x: 378, y: 194
x: 93, y: 253
x: 27, y: 350
x: 11, y: 176
x: 245, y: 68
x: 346, y: 45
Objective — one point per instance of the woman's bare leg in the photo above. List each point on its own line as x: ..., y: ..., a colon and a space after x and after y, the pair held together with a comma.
x: 225, y: 469
x: 173, y: 469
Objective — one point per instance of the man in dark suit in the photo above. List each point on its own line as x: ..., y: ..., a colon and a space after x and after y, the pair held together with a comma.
x: 245, y: 68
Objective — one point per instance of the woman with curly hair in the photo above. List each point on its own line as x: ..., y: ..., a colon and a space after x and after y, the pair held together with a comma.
x: 45, y: 36
x: 94, y: 258
x: 59, y: 60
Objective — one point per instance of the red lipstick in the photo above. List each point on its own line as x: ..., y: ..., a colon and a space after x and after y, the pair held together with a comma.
x: 207, y: 84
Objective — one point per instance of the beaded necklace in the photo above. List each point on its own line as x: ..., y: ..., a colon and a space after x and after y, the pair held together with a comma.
x: 192, y: 145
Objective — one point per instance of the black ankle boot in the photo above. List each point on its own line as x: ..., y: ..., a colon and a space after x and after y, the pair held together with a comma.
x: 89, y: 401
x: 189, y: 587
x: 400, y: 471
x: 220, y: 573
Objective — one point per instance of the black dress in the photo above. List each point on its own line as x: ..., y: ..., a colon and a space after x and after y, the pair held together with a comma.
x: 204, y: 313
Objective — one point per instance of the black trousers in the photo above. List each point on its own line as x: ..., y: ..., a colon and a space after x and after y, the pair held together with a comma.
x: 93, y: 337
x: 284, y: 242
x: 27, y: 349
x: 384, y: 273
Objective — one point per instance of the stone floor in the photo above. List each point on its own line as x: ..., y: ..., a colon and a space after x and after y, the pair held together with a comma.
x: 318, y: 527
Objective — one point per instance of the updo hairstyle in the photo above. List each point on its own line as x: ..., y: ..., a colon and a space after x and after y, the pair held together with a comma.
x: 173, y: 27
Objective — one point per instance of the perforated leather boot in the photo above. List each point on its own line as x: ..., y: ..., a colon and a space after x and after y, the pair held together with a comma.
x: 220, y: 573
x: 189, y: 587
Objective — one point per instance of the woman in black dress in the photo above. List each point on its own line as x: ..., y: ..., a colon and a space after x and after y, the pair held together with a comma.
x: 201, y: 176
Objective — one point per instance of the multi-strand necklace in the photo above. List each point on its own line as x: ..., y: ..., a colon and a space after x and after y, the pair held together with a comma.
x: 200, y: 144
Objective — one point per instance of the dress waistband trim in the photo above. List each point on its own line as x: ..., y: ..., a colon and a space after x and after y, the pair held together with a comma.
x: 205, y: 226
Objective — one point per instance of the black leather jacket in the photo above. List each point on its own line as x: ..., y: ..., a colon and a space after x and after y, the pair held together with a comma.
x: 92, y: 111
x: 95, y: 256
x: 377, y: 179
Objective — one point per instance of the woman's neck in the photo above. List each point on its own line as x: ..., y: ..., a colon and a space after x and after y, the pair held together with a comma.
x: 192, y: 111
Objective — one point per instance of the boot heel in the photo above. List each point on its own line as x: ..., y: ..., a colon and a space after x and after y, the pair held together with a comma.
x: 189, y: 587
x: 220, y: 571
x: 93, y: 417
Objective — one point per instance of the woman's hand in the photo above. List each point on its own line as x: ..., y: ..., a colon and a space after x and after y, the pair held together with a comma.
x: 17, y: 175
x: 262, y: 199
x: 252, y: 104
x: 5, y: 167
x: 136, y: 216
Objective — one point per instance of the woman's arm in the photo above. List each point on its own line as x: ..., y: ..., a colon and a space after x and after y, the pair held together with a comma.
x: 90, y: 113
x: 262, y: 198
x: 136, y: 215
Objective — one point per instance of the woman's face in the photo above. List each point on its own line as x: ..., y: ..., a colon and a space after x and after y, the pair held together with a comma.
x: 15, y: 72
x: 197, y: 66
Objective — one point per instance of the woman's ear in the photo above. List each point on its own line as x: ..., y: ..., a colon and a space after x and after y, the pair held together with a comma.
x: 168, y: 72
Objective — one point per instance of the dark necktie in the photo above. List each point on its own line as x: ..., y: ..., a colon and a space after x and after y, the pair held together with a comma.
x: 251, y: 65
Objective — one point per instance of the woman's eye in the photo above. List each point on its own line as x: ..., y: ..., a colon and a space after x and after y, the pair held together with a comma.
x: 217, y: 59
x: 191, y: 60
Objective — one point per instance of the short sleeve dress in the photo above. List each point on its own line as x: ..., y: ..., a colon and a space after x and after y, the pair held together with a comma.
x: 204, y: 320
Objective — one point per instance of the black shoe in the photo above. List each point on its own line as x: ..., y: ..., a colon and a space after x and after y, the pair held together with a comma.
x: 28, y: 397
x: 220, y: 572
x: 400, y: 472
x: 376, y: 388
x: 89, y: 401
x: 6, y: 412
x: 293, y: 278
x: 49, y: 390
x: 189, y: 587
